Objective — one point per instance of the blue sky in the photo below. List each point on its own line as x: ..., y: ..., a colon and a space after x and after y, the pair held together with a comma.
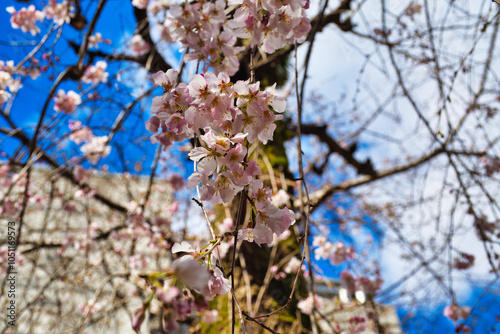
x: 27, y: 106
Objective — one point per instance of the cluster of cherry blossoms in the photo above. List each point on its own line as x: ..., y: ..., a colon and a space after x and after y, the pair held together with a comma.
x: 141, y: 4
x: 271, y: 24
x: 9, y: 77
x: 59, y: 12
x: 26, y: 18
x: 335, y: 252
x: 93, y: 147
x: 309, y: 304
x: 138, y: 46
x: 455, y: 313
x: 269, y: 219
x: 210, y: 30
x: 197, y: 281
x: 7, y: 81
x: 292, y: 267
x: 97, y: 38
x: 96, y: 74
x: 66, y: 102
x: 202, y: 27
x: 227, y: 114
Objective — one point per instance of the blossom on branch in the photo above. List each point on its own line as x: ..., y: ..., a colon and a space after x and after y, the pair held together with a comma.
x: 25, y: 19
x: 96, y: 148
x: 138, y: 46
x: 141, y: 4
x: 97, y: 38
x: 60, y: 12
x: 66, y: 102
x: 96, y: 74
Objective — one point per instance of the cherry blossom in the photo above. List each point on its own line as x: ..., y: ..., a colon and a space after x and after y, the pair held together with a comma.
x: 369, y: 287
x: 280, y: 198
x: 7, y: 66
x: 66, y: 102
x: 59, y: 12
x: 25, y: 19
x: 190, y: 272
x: 455, y: 312
x: 155, y: 6
x: 96, y: 148
x: 203, y: 29
x: 141, y: 4
x: 7, y: 81
x: 210, y: 316
x: 79, y: 133
x: 491, y: 166
x: 217, y: 285
x: 293, y: 266
x: 90, y: 307
x: 96, y: 74
x: 97, y: 38
x: 335, y: 252
x: 309, y: 304
x: 4, y: 96
x: 270, y: 24
x: 138, y: 46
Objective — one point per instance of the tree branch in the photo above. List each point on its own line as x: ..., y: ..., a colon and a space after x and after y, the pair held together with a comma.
x: 319, y: 196
x: 363, y: 168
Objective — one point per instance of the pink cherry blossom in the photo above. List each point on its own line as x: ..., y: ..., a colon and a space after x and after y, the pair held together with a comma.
x: 190, y: 272
x: 229, y: 115
x: 80, y: 134
x: 217, y: 285
x: 96, y: 74
x: 357, y: 325
x: 455, y: 312
x: 185, y: 247
x: 97, y: 38
x: 224, y: 187
x: 166, y: 79
x: 293, y: 266
x: 280, y: 198
x: 7, y: 81
x: 369, y: 287
x: 138, y: 46
x: 59, y: 12
x: 141, y: 4
x: 309, y: 304
x: 234, y: 157
x: 66, y: 102
x: 204, y: 30
x: 210, y: 316
x: 335, y: 252
x: 25, y: 19
x: 4, y: 97
x: 96, y: 148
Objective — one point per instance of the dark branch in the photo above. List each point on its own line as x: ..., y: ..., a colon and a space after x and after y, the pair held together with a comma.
x: 363, y: 168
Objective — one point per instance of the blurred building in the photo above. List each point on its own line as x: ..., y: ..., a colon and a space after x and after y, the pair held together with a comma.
x: 78, y: 256
x: 352, y: 314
